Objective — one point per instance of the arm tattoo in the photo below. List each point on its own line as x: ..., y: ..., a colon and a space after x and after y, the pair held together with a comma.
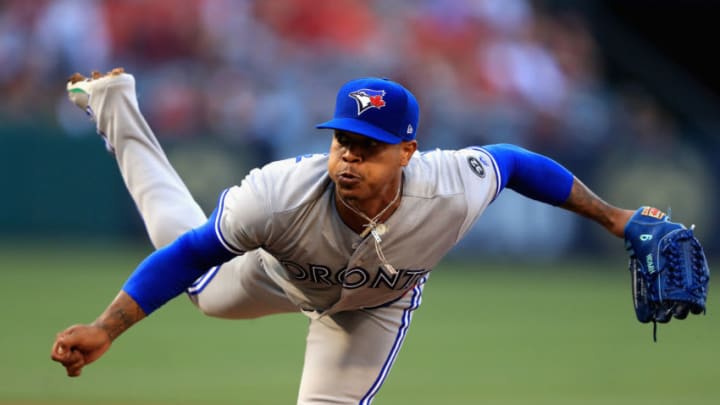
x: 122, y: 313
x: 584, y: 202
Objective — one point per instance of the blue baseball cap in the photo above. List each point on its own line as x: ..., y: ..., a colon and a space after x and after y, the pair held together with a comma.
x: 377, y: 108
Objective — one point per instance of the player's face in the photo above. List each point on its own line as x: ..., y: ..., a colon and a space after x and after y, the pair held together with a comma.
x: 365, y: 169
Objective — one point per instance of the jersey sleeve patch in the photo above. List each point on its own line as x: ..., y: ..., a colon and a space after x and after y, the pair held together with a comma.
x: 480, y: 163
x: 476, y: 166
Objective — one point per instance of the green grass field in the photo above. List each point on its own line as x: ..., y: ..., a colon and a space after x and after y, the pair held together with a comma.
x: 547, y: 334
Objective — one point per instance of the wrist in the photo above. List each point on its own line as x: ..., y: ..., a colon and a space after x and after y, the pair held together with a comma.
x: 620, y: 221
x: 103, y: 327
x: 122, y: 313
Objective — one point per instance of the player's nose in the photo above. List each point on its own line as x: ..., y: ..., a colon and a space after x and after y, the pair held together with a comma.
x: 353, y: 153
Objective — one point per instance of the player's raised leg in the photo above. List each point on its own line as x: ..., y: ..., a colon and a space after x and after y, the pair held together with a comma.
x: 165, y: 204
x: 239, y: 289
x: 349, y: 355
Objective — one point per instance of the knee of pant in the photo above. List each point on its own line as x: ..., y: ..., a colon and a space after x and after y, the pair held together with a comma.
x: 219, y: 310
x: 204, y: 307
x: 161, y: 236
x: 164, y: 229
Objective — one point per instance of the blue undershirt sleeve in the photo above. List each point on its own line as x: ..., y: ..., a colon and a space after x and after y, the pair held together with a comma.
x: 530, y: 174
x: 168, y: 271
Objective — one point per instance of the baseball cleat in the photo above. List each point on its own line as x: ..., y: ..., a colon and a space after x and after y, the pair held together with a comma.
x: 81, y: 89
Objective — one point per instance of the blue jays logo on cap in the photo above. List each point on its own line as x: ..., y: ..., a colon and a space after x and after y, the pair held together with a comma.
x: 375, y: 107
x: 367, y: 98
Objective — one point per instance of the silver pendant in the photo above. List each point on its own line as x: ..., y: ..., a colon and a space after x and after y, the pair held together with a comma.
x: 381, y: 229
x: 376, y: 235
x: 377, y: 231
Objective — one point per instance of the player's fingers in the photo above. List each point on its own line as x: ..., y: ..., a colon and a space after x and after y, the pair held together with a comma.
x: 63, y: 348
x: 64, y: 342
x: 70, y: 356
x: 74, y: 369
x: 59, y: 352
x: 72, y: 336
x: 62, y: 345
x: 681, y: 310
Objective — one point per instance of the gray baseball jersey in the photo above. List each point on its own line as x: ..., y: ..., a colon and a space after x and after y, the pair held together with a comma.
x: 287, y: 209
x: 296, y: 253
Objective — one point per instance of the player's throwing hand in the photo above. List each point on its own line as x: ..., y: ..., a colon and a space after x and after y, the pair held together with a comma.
x: 78, y: 346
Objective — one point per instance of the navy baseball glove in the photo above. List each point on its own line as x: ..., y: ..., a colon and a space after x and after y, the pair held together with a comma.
x: 669, y: 271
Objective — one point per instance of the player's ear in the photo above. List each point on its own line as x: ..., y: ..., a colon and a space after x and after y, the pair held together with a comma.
x: 407, y: 148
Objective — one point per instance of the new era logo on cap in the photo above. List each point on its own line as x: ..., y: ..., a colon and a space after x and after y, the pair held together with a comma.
x: 377, y: 108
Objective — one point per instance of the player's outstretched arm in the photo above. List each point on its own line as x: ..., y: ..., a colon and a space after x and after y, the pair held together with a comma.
x: 584, y: 202
x: 163, y: 275
x: 669, y: 270
x: 80, y: 345
x: 543, y: 179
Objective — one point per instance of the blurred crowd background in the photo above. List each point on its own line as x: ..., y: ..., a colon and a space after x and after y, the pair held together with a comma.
x: 228, y: 85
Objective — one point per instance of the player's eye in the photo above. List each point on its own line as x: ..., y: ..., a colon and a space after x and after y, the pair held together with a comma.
x: 367, y: 144
x: 341, y: 139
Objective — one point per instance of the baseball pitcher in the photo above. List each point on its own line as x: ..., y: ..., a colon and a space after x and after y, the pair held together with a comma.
x: 346, y: 238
